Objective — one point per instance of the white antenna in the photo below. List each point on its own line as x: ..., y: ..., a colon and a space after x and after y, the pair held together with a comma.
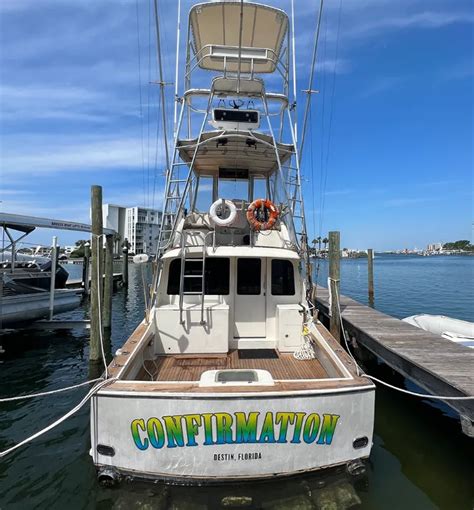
x: 176, y: 78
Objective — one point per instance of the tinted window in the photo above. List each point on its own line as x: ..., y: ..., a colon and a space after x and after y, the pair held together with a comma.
x: 283, y: 279
x: 249, y: 276
x: 216, y: 281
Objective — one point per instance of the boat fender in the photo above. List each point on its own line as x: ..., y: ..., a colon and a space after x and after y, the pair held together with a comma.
x: 217, y: 209
x: 253, y: 210
x: 142, y: 258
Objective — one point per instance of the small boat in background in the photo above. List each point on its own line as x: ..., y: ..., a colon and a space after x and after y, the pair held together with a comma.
x: 26, y: 279
x: 456, y: 330
x: 32, y: 270
x: 21, y: 303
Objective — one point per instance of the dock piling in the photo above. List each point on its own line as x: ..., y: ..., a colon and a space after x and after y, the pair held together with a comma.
x: 52, y: 286
x: 86, y: 269
x: 370, y: 272
x: 109, y: 281
x: 125, y: 246
x: 96, y: 267
x: 334, y: 255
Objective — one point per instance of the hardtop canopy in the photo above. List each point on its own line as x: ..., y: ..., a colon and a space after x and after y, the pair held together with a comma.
x: 216, y: 36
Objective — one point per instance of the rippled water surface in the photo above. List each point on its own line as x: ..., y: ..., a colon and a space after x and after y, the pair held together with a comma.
x: 420, y: 459
x: 410, y: 284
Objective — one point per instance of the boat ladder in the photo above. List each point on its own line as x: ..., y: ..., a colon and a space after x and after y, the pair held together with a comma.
x: 201, y: 273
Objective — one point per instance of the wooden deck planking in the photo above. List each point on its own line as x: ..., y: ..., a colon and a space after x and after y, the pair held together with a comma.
x: 435, y: 363
x: 186, y: 368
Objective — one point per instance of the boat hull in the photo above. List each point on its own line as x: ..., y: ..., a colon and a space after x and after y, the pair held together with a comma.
x: 224, y: 437
x: 23, y: 308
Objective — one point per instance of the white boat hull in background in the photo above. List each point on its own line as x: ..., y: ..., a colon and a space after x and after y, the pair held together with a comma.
x: 461, y: 332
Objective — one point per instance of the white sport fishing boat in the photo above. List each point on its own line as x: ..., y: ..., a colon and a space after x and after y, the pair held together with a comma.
x: 229, y: 377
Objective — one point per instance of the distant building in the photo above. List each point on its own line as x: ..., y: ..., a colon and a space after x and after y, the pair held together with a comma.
x: 140, y: 225
x: 434, y: 247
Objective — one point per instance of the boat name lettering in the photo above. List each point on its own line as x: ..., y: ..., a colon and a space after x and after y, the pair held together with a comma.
x: 211, y: 429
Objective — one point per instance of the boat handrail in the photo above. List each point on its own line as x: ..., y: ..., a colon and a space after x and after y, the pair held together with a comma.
x: 206, y: 51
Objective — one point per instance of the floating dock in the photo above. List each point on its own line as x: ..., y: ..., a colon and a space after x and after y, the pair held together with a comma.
x: 434, y: 363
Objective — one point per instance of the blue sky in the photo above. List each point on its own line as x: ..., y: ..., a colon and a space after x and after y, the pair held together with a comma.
x: 391, y: 132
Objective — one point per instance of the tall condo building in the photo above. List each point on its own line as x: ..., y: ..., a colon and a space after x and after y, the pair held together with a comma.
x: 140, y: 225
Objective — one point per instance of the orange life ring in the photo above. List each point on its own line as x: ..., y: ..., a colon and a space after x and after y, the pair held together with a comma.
x: 253, y: 209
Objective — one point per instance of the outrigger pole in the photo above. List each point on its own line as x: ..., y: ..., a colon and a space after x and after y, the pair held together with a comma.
x: 293, y: 50
x: 161, y: 84
x: 311, y: 76
x: 176, y: 75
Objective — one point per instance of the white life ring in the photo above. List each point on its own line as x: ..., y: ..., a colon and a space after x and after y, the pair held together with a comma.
x: 223, y: 222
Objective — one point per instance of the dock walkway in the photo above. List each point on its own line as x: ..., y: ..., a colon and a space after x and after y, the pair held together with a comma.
x: 434, y: 363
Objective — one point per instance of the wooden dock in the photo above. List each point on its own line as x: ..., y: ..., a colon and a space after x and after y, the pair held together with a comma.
x: 437, y: 365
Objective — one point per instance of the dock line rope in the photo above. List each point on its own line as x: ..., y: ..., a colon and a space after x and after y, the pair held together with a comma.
x: 388, y: 385
x: 100, y: 381
x: 52, y: 392
x: 74, y: 410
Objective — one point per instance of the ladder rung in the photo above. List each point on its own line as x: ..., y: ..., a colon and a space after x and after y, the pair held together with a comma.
x: 193, y: 276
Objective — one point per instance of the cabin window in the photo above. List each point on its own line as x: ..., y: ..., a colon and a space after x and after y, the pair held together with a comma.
x: 249, y: 276
x: 234, y: 189
x: 283, y: 278
x: 216, y: 280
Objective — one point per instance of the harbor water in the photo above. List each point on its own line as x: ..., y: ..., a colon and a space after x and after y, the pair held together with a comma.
x: 420, y: 458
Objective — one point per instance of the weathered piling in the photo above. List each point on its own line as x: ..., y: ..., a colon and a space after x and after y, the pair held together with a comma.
x: 334, y: 255
x: 52, y: 284
x: 86, y: 269
x: 370, y: 273
x: 108, y: 281
x: 125, y: 246
x: 96, y: 277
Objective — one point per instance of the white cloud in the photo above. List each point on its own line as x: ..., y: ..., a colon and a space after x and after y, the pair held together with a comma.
x: 405, y: 202
x: 426, y: 19
x: 52, y: 155
x: 62, y: 102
